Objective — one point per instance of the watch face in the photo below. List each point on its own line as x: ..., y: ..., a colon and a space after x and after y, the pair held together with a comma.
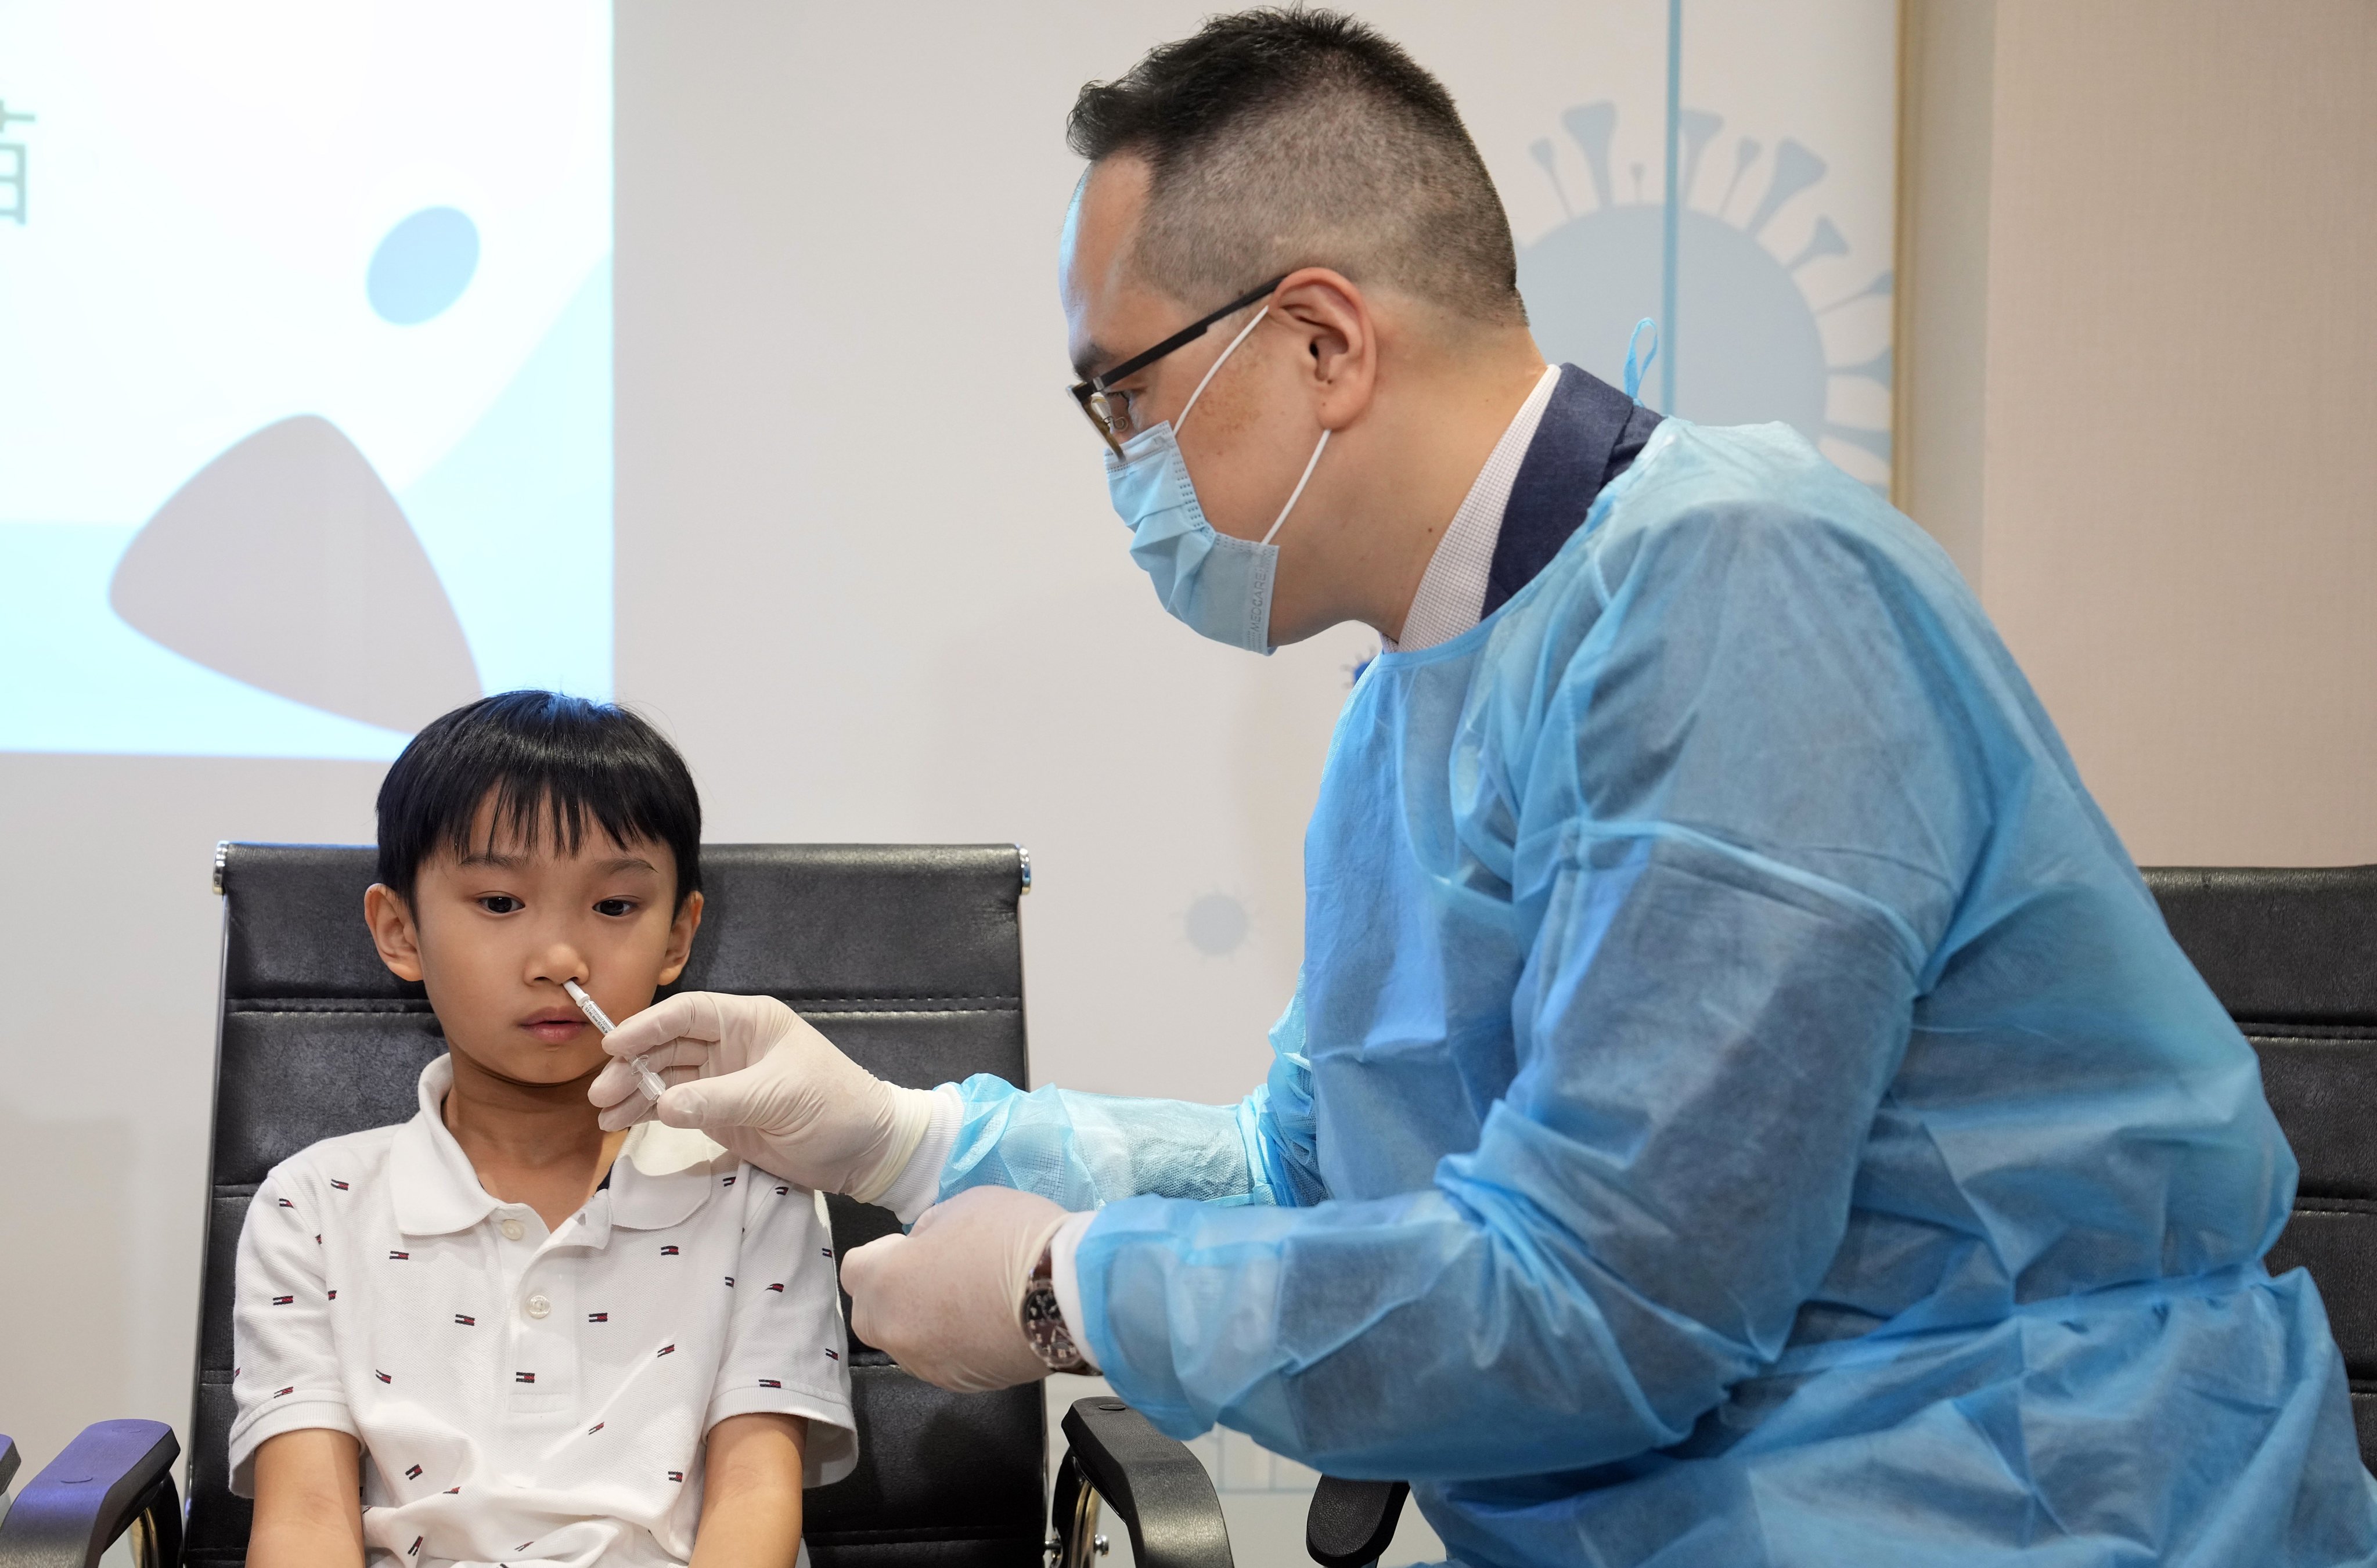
x: 1043, y: 1326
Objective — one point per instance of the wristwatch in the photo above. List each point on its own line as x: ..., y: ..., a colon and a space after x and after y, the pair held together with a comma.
x: 1044, y: 1321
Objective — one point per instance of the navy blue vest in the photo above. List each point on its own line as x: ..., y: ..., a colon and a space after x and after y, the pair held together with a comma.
x: 1591, y: 432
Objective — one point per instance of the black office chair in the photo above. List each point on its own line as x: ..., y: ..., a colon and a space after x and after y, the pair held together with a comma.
x: 909, y: 959
x: 2292, y: 956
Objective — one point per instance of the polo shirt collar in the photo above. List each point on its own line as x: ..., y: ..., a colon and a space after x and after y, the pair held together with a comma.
x: 662, y: 1176
x: 665, y: 1173
x: 436, y: 1191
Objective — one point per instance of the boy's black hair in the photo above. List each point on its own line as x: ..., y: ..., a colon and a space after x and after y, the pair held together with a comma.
x: 545, y: 758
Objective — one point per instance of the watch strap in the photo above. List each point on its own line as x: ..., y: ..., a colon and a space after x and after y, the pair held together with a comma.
x: 1044, y: 1321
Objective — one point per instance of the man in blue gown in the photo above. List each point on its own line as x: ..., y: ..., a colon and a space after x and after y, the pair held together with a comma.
x: 1740, y: 1105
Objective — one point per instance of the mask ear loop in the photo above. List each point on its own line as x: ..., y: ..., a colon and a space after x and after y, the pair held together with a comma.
x: 1294, y: 495
x: 1217, y: 365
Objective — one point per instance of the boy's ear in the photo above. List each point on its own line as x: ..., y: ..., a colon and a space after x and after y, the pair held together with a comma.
x: 392, y: 932
x: 680, y: 941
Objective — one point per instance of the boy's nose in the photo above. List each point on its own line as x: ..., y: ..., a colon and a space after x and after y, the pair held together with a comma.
x: 555, y: 961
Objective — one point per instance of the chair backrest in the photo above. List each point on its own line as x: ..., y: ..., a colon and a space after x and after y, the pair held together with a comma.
x: 2292, y: 956
x: 908, y: 958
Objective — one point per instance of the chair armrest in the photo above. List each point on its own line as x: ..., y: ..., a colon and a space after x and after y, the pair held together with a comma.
x: 1352, y: 1523
x: 110, y: 1477
x: 1165, y: 1497
x: 7, y: 1460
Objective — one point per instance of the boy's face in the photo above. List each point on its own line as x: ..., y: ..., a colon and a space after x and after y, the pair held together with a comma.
x: 493, y: 934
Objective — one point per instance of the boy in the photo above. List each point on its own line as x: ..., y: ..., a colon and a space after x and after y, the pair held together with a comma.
x: 557, y: 1345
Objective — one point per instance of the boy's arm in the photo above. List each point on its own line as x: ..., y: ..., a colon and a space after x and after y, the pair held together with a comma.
x: 292, y: 1442
x: 308, y: 1502
x: 785, y: 1344
x: 750, y: 1494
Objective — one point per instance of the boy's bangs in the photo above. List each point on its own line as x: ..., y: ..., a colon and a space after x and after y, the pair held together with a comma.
x: 519, y: 813
x: 531, y: 765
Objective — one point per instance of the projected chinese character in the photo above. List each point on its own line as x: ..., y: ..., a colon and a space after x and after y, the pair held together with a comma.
x: 12, y: 167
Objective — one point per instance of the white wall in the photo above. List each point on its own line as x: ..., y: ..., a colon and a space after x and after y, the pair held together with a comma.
x: 2139, y: 391
x: 108, y: 951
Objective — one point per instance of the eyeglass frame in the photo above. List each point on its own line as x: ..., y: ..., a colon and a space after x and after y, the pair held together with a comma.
x: 1091, y: 394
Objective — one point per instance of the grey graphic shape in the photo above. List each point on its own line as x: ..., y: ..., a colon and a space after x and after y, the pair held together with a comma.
x: 1751, y: 351
x: 1541, y: 149
x: 1216, y: 924
x: 1593, y: 126
x: 1752, y: 354
x: 1696, y: 129
x: 286, y: 563
x: 1825, y: 241
x: 1745, y: 153
x: 1794, y: 170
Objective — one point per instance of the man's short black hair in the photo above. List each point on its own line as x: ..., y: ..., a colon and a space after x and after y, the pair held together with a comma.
x: 548, y: 760
x: 1283, y: 137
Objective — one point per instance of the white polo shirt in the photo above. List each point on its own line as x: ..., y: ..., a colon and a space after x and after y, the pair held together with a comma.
x: 526, y: 1397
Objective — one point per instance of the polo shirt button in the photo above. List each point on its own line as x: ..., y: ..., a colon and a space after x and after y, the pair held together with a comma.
x: 539, y: 1306
x: 513, y: 1229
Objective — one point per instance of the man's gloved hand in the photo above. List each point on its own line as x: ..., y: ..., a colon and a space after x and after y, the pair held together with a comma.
x: 947, y: 1299
x: 747, y: 1071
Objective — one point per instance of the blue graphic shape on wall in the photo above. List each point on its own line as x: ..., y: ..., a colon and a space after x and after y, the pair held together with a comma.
x: 422, y: 266
x: 1747, y: 342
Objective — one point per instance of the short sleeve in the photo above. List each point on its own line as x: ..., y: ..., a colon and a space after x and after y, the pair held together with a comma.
x: 285, y: 1373
x: 785, y: 1352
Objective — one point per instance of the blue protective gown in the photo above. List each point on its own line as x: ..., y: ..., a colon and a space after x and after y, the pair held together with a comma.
x: 1741, y: 1106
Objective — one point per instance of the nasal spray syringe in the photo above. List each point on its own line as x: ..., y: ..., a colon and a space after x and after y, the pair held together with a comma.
x: 646, y: 1079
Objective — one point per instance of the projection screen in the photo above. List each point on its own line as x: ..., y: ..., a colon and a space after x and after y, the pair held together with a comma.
x: 307, y: 392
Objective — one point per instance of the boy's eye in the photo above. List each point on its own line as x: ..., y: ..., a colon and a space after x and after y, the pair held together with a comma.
x: 615, y: 906
x: 500, y: 904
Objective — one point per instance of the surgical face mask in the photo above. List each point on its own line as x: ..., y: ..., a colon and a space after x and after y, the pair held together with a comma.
x: 1217, y: 585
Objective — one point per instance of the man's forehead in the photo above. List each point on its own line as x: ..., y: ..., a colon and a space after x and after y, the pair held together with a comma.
x: 1107, y: 309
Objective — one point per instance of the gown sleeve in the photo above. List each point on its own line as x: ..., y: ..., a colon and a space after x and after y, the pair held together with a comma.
x: 1743, y: 802
x: 1088, y: 1150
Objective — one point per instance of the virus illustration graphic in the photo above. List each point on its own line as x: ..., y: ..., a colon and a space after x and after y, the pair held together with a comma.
x: 1747, y: 341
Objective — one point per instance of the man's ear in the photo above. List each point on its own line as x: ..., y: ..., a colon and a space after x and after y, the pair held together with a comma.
x: 392, y: 931
x: 680, y: 941
x: 1341, y: 339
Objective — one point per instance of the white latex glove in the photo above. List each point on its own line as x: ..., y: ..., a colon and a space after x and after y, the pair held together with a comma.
x: 750, y: 1073
x: 947, y: 1299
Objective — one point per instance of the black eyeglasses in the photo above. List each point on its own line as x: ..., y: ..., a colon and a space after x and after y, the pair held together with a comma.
x: 1091, y: 394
